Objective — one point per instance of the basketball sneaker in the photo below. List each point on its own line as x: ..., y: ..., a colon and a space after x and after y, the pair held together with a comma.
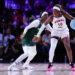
x: 12, y: 67
x: 49, y: 67
x: 72, y: 66
x: 25, y: 67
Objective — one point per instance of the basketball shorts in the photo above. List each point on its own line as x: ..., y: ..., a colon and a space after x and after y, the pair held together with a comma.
x: 60, y: 33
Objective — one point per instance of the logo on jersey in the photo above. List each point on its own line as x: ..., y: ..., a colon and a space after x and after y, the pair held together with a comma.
x: 60, y: 22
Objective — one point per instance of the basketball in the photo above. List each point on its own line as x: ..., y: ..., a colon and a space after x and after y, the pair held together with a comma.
x: 72, y: 24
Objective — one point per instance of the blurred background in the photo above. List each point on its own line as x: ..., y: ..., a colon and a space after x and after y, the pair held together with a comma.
x: 15, y: 15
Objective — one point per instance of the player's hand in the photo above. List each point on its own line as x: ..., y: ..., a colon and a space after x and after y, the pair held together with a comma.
x: 45, y: 44
x: 22, y: 36
x: 35, y: 39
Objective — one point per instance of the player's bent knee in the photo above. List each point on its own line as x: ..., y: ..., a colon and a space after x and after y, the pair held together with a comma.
x: 34, y: 54
x: 25, y: 54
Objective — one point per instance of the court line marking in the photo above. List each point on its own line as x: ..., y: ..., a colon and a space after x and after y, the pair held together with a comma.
x: 35, y: 70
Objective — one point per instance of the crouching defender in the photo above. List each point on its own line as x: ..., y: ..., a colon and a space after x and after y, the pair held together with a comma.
x: 29, y: 47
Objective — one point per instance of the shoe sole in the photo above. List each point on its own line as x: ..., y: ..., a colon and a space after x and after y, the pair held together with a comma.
x: 48, y: 69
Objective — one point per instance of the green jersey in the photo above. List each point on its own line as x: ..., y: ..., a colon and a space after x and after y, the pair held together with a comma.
x: 27, y: 39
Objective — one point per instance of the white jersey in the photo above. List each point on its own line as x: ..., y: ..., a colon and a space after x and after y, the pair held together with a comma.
x: 59, y: 23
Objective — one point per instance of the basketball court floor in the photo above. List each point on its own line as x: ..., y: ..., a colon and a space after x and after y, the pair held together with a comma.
x: 40, y: 69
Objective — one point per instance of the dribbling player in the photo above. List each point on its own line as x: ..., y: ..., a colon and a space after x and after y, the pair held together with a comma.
x: 60, y: 30
x: 29, y: 47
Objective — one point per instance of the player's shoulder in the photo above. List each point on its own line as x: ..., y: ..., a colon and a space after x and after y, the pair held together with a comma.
x: 37, y: 20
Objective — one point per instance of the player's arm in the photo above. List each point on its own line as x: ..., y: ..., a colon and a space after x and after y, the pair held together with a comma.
x: 49, y: 28
x: 50, y: 19
x: 36, y: 38
x: 35, y: 23
x: 67, y: 15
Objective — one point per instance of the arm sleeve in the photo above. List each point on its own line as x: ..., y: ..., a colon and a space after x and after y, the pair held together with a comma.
x: 35, y: 23
x: 40, y: 30
x: 49, y: 28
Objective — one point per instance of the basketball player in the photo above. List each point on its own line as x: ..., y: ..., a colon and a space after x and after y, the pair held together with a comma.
x: 29, y: 47
x: 60, y: 30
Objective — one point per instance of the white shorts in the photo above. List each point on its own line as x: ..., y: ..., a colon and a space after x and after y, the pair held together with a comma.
x: 60, y: 33
x: 29, y: 49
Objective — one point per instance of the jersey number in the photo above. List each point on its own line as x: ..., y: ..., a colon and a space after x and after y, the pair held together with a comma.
x: 60, y: 24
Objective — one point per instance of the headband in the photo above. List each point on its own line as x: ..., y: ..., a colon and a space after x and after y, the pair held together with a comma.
x: 57, y: 8
x: 44, y: 13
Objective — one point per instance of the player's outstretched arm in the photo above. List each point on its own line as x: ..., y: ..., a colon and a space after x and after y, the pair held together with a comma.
x: 67, y: 15
x: 36, y: 38
x: 50, y: 18
x: 49, y: 28
x: 34, y: 23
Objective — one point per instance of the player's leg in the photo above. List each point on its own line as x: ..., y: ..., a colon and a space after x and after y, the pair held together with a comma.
x: 20, y: 58
x: 31, y: 54
x: 54, y: 42
x: 66, y: 42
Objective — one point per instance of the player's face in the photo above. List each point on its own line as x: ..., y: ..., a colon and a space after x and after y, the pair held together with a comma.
x: 45, y: 17
x: 56, y: 13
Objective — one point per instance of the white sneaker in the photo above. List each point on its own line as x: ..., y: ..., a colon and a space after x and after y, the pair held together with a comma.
x: 10, y: 68
x: 30, y: 67
x: 15, y: 69
x: 27, y: 67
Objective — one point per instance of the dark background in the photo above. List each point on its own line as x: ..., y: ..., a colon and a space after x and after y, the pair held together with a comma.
x: 8, y: 7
